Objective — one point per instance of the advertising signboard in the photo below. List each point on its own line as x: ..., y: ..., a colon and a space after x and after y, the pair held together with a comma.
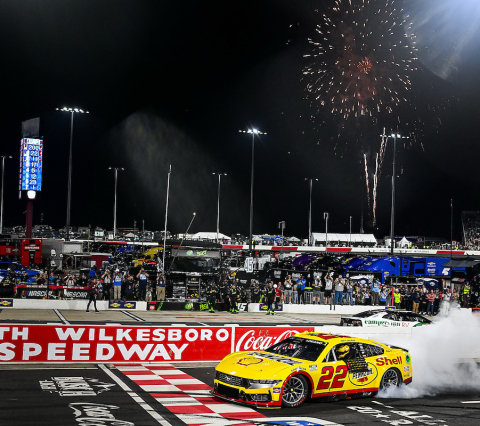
x: 31, y: 160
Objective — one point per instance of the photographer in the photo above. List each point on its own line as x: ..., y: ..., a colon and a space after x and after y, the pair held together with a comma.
x: 107, y: 285
x: 288, y: 290
x: 301, y: 283
x: 142, y: 277
x: 93, y: 290
x: 70, y: 280
x: 328, y: 288
x: 318, y: 294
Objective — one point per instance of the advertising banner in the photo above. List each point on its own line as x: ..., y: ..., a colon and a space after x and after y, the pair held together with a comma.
x: 121, y: 304
x: 118, y: 344
x: 51, y: 343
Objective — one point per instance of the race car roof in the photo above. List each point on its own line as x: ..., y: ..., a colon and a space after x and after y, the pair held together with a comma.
x: 325, y: 336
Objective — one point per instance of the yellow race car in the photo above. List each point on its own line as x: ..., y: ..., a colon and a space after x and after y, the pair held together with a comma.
x: 311, y: 365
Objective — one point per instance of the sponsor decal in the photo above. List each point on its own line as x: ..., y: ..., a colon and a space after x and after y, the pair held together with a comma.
x: 122, y: 305
x: 274, y: 358
x: 313, y: 367
x: 406, y: 369
x: 88, y: 414
x: 277, y: 308
x: 75, y: 386
x: 249, y: 361
x: 385, y: 361
x: 277, y: 390
x: 203, y: 307
x: 407, y: 358
x: 76, y: 294
x: 242, y: 307
x: 260, y: 338
x: 6, y: 303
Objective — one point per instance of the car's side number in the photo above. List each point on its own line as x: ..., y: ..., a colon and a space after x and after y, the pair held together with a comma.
x: 324, y: 382
x: 339, y: 378
x: 327, y: 375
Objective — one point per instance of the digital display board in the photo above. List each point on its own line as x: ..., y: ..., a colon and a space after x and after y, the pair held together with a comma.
x: 31, y: 159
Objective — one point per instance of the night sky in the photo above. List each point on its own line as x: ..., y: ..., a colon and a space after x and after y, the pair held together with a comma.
x: 172, y: 82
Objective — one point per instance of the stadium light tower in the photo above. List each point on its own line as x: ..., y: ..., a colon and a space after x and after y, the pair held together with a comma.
x: 253, y: 132
x: 392, y: 217
x: 72, y: 111
x: 218, y: 201
x: 3, y: 173
x: 115, y: 169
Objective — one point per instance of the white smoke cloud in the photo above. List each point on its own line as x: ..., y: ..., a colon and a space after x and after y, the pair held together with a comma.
x: 443, y: 357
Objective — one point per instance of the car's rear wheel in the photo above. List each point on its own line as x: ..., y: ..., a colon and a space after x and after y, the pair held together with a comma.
x: 390, y: 378
x: 295, y: 391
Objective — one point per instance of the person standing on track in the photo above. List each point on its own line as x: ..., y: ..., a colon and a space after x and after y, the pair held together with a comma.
x: 233, y: 299
x: 142, y: 277
x: 211, y: 297
x: 270, y: 296
x: 117, y: 285
x: 93, y: 291
x: 160, y: 287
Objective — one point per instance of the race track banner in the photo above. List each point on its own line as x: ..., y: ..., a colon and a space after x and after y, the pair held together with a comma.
x: 6, y: 303
x: 122, y: 305
x: 118, y: 344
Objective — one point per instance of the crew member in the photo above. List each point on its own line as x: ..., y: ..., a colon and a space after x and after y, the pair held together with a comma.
x: 142, y: 277
x: 93, y: 291
x: 211, y: 297
x: 233, y: 299
x: 270, y: 295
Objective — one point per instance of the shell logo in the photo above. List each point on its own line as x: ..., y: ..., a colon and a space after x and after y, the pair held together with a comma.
x: 249, y: 361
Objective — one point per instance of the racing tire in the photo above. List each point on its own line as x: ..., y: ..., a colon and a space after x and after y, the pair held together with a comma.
x: 295, y: 391
x: 391, y: 377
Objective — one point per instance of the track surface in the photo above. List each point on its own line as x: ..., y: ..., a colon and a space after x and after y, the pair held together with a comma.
x: 178, y: 395
x: 161, y: 318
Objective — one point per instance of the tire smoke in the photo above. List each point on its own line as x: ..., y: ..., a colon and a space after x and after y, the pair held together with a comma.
x: 443, y: 356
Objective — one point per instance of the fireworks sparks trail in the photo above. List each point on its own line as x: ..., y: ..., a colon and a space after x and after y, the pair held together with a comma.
x: 367, y: 180
x: 378, y: 171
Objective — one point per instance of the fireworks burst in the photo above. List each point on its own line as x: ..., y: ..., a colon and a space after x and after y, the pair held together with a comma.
x: 362, y: 60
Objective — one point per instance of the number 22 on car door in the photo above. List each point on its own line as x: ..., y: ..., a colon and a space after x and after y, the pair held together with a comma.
x: 331, y: 374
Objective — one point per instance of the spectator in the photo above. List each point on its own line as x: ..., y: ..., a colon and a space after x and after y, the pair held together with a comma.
x: 397, y: 299
x: 278, y: 294
x: 117, y: 285
x: 383, y: 297
x: 376, y: 292
x: 328, y: 288
x: 318, y: 294
x: 93, y: 272
x: 160, y: 287
x: 349, y: 298
x: 339, y: 287
x: 288, y: 289
x: 466, y: 295
x: 415, y: 300
x: 295, y: 293
x: 107, y: 285
x: 142, y: 277
x: 270, y: 296
x: 301, y: 283
x: 129, y: 288
x: 431, y: 301
x: 148, y: 294
x: 93, y: 291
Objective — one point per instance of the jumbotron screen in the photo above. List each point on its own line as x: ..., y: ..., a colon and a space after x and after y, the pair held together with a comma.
x: 31, y: 159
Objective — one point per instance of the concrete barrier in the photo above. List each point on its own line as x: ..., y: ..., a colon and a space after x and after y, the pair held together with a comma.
x: 75, y: 304
x: 318, y: 309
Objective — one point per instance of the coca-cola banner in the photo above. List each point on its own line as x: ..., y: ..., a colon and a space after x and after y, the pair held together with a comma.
x: 52, y: 343
x: 260, y: 338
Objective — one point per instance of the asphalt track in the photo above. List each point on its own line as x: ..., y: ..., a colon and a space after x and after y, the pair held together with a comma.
x: 161, y: 318
x: 121, y: 396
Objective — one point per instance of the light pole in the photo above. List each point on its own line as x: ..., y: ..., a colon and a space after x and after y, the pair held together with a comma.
x: 325, y: 216
x: 350, y: 231
x: 253, y: 132
x: 310, y: 213
x: 69, y: 197
x: 1, y: 207
x: 392, y: 217
x: 166, y: 219
x: 115, y: 169
x: 218, y: 201
x: 281, y: 225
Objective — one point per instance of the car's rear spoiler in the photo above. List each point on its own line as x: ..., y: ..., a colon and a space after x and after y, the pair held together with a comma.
x: 398, y: 347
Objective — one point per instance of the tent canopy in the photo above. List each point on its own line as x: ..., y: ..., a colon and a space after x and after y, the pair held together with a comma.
x: 344, y: 238
x: 461, y: 263
x: 209, y: 236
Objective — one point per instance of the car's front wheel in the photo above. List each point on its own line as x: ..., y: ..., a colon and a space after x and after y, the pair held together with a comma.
x: 295, y: 391
x: 390, y: 378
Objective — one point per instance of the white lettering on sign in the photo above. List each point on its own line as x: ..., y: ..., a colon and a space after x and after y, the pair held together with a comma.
x: 89, y: 414
x: 248, y: 341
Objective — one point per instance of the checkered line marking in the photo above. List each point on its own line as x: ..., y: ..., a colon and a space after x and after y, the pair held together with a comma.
x: 186, y: 397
